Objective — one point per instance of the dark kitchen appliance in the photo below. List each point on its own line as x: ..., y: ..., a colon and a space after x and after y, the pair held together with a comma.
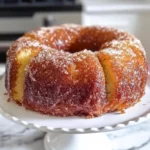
x: 20, y: 16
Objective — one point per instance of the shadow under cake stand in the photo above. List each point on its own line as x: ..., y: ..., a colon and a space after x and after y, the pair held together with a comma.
x: 74, y: 133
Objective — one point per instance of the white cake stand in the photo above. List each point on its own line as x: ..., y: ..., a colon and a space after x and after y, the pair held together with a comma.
x: 69, y: 133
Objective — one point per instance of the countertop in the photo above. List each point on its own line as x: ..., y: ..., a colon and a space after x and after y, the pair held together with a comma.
x: 18, y: 137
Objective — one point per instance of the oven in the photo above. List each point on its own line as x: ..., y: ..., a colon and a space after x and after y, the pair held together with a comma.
x: 20, y: 16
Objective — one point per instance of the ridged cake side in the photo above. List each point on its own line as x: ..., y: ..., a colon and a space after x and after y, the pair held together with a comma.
x: 18, y: 58
x: 66, y: 84
x: 125, y: 69
x: 74, y: 70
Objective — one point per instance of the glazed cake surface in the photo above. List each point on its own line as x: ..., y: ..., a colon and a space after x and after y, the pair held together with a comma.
x: 76, y: 70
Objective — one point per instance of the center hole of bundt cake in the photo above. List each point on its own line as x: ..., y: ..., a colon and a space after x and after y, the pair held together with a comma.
x: 79, y: 50
x: 82, y: 47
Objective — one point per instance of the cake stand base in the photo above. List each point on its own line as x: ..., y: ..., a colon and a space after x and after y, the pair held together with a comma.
x: 94, y: 141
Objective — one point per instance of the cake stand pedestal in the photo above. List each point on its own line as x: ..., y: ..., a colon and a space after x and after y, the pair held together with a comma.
x: 75, y: 133
x: 61, y: 141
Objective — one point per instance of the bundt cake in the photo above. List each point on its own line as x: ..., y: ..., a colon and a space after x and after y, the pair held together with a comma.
x: 74, y: 70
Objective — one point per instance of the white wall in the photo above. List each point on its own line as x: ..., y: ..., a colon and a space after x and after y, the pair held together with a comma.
x: 113, y: 1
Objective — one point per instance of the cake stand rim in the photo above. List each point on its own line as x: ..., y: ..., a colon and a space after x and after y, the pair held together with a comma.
x: 119, y: 126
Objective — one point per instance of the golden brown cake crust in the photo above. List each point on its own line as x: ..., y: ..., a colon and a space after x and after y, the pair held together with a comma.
x: 66, y: 77
x: 66, y: 84
x: 131, y: 74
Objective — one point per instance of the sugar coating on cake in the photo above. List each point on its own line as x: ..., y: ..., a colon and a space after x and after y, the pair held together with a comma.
x: 77, y: 70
